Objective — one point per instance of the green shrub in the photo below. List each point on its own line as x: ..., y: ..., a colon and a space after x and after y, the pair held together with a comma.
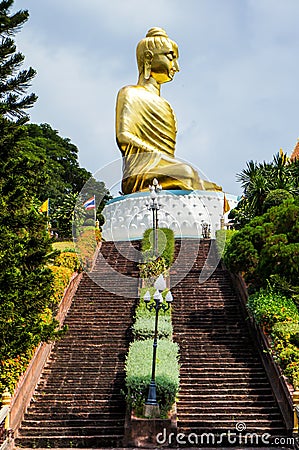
x: 275, y: 198
x: 286, y: 333
x: 138, y: 374
x: 89, y: 223
x: 98, y: 235
x: 12, y: 369
x: 166, y: 244
x: 144, y: 328
x: 62, y: 276
x: 269, y: 307
x: 86, y: 245
x: 223, y: 238
x: 152, y: 268
x: 68, y: 259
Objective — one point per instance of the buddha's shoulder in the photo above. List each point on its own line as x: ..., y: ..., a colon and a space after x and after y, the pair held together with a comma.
x: 134, y: 92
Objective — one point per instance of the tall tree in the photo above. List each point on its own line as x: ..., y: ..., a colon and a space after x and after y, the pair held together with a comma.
x: 25, y: 282
x: 64, y: 177
x: 13, y: 81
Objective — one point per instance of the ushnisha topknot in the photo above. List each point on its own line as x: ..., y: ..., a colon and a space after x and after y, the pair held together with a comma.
x: 156, y: 31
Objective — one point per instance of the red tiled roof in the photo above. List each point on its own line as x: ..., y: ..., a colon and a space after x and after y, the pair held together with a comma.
x: 295, y: 154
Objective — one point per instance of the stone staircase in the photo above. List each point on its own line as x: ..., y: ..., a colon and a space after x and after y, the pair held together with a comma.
x: 223, y: 385
x: 78, y: 402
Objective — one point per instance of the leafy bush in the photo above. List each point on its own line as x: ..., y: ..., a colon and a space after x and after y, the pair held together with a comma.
x: 286, y: 341
x: 268, y: 246
x: 138, y: 374
x: 286, y: 333
x: 279, y: 315
x: 62, y: 277
x: 223, y: 238
x: 86, y: 245
x: 12, y: 368
x: 144, y: 328
x: 152, y: 268
x: 269, y: 307
x: 98, y: 235
x: 166, y: 243
x: 68, y: 259
x: 89, y: 223
x: 275, y: 198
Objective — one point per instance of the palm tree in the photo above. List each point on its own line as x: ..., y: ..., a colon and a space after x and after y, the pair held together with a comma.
x: 258, y: 179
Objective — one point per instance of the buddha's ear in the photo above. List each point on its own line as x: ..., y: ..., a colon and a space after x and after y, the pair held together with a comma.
x: 148, y: 57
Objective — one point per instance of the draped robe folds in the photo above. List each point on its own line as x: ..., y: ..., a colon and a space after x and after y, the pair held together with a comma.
x: 146, y: 135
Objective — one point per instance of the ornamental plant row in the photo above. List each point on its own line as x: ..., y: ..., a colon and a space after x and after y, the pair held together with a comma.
x: 139, y: 358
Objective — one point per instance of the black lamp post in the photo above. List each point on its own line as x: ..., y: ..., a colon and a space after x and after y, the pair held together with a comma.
x: 151, y: 405
x: 154, y: 205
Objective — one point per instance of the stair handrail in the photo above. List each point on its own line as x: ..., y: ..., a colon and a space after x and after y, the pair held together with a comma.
x: 27, y: 384
x: 282, y: 390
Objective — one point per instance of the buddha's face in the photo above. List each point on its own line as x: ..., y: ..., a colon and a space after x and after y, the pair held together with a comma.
x: 164, y: 64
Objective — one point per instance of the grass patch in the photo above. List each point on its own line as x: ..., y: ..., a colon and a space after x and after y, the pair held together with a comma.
x: 138, y: 374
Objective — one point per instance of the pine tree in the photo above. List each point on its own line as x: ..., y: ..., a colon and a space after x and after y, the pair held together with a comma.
x: 13, y: 81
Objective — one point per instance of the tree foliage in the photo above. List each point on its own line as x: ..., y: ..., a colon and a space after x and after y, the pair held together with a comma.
x: 267, y: 248
x: 63, y: 177
x: 13, y: 81
x: 25, y: 281
x: 258, y: 180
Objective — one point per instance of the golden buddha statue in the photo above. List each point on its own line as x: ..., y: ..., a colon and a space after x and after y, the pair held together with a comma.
x: 146, y: 124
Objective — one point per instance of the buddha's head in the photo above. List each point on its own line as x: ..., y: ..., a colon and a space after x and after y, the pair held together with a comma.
x: 157, y: 56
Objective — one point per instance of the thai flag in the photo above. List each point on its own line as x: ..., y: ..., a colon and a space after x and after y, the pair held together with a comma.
x: 90, y: 203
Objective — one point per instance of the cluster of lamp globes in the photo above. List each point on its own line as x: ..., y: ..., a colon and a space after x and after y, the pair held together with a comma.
x: 154, y: 189
x: 160, y: 286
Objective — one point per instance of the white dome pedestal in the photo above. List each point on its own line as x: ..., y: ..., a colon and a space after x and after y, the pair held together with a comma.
x: 185, y: 212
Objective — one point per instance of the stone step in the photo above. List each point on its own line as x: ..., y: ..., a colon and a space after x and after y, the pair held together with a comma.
x: 79, y: 423
x: 96, y: 441
x: 60, y: 416
x: 75, y: 431
x: 211, y: 415
x: 219, y: 399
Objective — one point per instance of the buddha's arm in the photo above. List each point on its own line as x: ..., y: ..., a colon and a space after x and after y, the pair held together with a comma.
x: 129, y: 143
x: 127, y: 115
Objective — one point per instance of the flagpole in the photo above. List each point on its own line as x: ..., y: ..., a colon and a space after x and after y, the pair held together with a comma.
x: 48, y: 220
x: 95, y: 211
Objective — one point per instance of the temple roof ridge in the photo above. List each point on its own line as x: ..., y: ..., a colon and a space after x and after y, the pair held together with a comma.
x: 295, y: 154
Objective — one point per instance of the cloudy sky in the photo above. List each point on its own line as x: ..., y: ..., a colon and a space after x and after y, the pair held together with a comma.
x: 236, y: 97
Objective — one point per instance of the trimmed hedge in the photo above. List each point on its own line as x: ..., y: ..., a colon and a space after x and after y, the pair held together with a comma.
x: 68, y: 259
x: 144, y: 328
x: 142, y: 311
x: 166, y: 243
x: 61, y: 279
x: 139, y: 359
x: 138, y: 374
